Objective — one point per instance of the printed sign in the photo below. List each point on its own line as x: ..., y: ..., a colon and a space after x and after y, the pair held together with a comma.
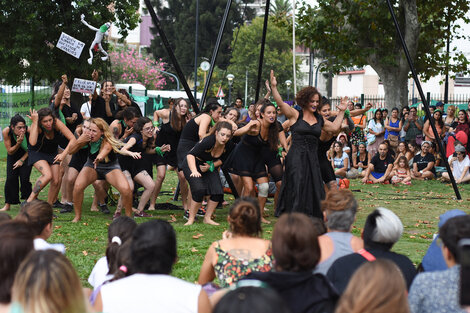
x: 83, y: 85
x: 70, y: 45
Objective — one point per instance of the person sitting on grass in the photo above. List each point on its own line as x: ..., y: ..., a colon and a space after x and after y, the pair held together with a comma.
x: 380, y: 167
x: 340, y: 160
x: 423, y: 163
x: 439, y: 291
x: 401, y: 172
x: 459, y: 164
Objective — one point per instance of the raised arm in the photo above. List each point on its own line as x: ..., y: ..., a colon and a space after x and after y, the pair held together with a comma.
x: 289, y: 112
x: 94, y: 76
x: 121, y: 96
x: 60, y: 93
x: 82, y: 18
x: 33, y: 129
x: 333, y: 127
x: 245, y: 129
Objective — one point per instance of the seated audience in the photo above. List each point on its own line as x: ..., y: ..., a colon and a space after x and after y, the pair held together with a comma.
x: 339, y: 212
x: 37, y: 214
x: 423, y: 163
x: 375, y: 287
x: 15, y: 245
x: 360, y: 161
x: 47, y: 282
x: 439, y: 291
x: 243, y: 252
x: 340, y: 160
x: 251, y: 297
x: 151, y: 288
x: 119, y: 232
x: 297, y: 252
x: 380, y: 167
x: 381, y: 231
x: 433, y: 260
x: 401, y: 172
x: 403, y: 150
x: 459, y: 164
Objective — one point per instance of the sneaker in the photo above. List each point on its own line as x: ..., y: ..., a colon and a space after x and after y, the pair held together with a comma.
x: 186, y: 215
x: 201, y: 212
x: 67, y: 208
x: 369, y: 182
x: 142, y: 214
x: 104, y: 208
x: 116, y: 215
x: 58, y: 205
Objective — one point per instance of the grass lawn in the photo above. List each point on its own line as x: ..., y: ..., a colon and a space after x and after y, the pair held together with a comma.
x: 418, y: 206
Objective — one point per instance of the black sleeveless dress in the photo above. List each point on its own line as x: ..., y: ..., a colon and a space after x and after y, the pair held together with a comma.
x: 302, y: 185
x: 327, y: 172
x: 45, y: 149
x: 168, y: 136
x: 188, y: 139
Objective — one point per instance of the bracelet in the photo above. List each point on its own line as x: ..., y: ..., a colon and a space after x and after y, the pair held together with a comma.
x: 21, y: 161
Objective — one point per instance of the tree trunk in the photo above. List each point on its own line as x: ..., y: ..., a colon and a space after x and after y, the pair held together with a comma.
x: 396, y: 89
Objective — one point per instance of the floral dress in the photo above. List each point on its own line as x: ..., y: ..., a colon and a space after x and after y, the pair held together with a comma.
x: 230, y: 269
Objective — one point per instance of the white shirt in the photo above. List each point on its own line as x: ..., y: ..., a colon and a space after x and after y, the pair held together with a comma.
x: 41, y: 244
x: 458, y: 167
x: 86, y: 109
x: 149, y: 293
x: 99, y: 274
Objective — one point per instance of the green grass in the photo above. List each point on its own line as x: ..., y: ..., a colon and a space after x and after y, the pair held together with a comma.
x: 418, y: 206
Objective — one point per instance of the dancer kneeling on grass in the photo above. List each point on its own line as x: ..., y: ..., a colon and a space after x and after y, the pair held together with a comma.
x: 101, y: 164
x: 136, y: 161
x: 42, y: 151
x: 201, y: 170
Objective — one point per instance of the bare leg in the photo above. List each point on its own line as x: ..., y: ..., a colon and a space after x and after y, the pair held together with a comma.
x: 184, y: 191
x: 46, y: 175
x: 66, y: 197
x: 6, y: 207
x: 68, y: 182
x: 86, y: 176
x: 55, y: 183
x: 211, y: 205
x: 192, y: 212
x: 161, y: 173
x: 117, y: 179
x: 144, y: 179
x: 130, y: 182
x: 262, y: 200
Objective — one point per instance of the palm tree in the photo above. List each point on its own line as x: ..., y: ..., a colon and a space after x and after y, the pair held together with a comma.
x: 280, y: 8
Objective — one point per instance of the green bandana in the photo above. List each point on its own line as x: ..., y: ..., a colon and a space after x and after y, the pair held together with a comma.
x: 24, y: 143
x: 95, y: 146
x: 211, y: 165
x: 279, y: 151
x: 156, y: 124
x: 346, y: 113
x: 62, y: 117
x: 159, y: 151
x: 212, y: 122
x: 123, y: 124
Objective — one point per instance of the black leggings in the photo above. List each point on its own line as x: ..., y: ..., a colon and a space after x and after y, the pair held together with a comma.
x: 12, y: 189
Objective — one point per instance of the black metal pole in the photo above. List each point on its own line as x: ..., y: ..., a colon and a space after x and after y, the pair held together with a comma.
x: 425, y: 102
x: 228, y: 178
x: 261, y: 52
x: 195, y: 49
x: 175, y: 63
x: 216, y: 51
x: 446, y: 85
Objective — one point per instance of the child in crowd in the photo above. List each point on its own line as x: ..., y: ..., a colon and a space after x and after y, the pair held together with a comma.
x: 401, y: 173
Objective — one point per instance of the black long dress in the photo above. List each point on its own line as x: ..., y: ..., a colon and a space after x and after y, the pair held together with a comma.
x: 302, y: 185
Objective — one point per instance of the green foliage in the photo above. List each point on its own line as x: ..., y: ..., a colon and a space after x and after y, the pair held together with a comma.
x: 362, y: 32
x: 28, y: 25
x: 277, y: 55
x: 280, y: 9
x: 178, y: 18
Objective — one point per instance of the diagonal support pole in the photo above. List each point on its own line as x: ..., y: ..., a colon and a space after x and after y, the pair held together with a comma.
x: 425, y: 103
x: 261, y: 52
x: 216, y: 52
x: 175, y: 63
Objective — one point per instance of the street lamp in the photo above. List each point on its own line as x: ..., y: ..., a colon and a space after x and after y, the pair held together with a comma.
x: 288, y: 83
x: 230, y: 78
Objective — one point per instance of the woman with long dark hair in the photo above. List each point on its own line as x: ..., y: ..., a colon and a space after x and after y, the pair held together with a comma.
x: 247, y: 160
x: 44, y: 136
x: 173, y: 122
x: 376, y: 132
x: 15, y: 139
x: 302, y: 186
x: 201, y: 169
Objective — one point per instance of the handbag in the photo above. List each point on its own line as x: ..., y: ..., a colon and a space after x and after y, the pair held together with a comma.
x: 393, y: 139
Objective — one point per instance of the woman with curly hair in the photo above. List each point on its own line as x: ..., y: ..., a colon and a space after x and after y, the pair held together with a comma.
x: 302, y: 186
x: 101, y: 164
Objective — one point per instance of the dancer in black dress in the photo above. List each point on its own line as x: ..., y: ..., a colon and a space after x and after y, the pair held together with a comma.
x: 248, y: 160
x: 302, y: 185
x: 44, y: 136
x: 15, y: 138
x: 201, y: 169
x: 173, y: 122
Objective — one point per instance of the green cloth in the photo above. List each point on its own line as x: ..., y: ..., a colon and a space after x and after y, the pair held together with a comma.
x: 211, y: 165
x: 212, y: 122
x: 24, y: 143
x: 159, y: 151
x: 156, y: 124
x: 346, y: 113
x: 95, y: 146
x: 123, y: 124
x: 103, y: 28
x: 62, y: 117
x: 279, y: 151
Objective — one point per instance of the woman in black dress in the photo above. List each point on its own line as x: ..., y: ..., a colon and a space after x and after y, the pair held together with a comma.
x: 15, y: 138
x: 44, y: 136
x: 201, y: 169
x: 173, y: 122
x: 302, y: 185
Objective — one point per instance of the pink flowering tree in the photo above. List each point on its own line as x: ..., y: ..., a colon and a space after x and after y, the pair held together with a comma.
x: 131, y: 68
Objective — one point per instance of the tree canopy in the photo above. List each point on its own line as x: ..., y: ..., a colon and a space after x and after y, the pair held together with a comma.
x: 31, y: 28
x: 178, y: 19
x: 245, y: 56
x: 361, y: 32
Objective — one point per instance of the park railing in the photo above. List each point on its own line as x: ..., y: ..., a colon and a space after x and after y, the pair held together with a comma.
x: 19, y: 99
